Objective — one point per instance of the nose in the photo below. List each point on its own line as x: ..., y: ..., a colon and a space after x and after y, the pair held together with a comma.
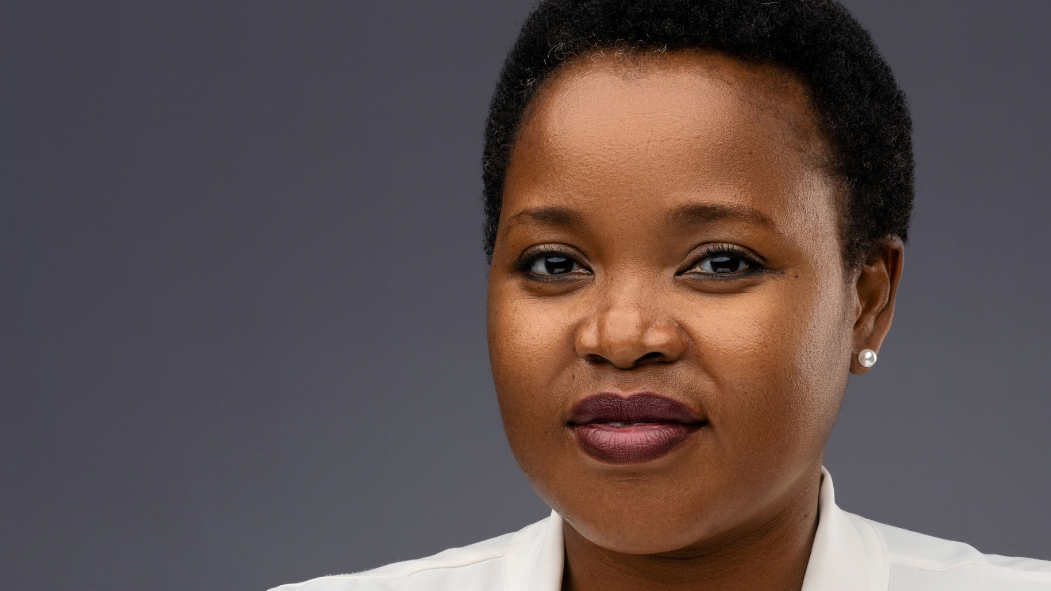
x: 630, y: 329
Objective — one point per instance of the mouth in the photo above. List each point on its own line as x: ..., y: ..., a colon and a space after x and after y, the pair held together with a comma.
x: 634, y: 429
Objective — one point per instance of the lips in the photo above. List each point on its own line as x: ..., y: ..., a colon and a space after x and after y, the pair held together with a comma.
x: 634, y: 429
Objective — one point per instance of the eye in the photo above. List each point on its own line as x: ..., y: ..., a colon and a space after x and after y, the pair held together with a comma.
x: 725, y: 261
x: 553, y: 264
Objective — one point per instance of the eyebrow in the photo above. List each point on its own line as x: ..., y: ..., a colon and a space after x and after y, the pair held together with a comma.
x: 698, y: 214
x: 561, y: 217
x: 687, y: 216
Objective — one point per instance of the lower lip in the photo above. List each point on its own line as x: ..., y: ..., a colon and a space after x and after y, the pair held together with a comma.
x: 633, y: 444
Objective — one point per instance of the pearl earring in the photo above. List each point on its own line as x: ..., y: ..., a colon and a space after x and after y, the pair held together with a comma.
x: 867, y: 358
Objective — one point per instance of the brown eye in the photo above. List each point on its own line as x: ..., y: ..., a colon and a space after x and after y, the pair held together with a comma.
x: 723, y: 263
x: 553, y: 265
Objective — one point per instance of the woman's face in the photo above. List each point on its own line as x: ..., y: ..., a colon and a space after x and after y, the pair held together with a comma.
x: 670, y: 323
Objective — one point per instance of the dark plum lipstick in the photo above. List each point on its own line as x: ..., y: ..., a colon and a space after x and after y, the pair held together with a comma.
x: 634, y: 429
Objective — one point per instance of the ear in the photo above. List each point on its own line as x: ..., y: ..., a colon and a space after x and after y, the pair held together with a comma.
x: 875, y: 290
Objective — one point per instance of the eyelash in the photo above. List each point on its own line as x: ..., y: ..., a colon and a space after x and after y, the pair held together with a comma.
x: 731, y: 250
x: 528, y: 258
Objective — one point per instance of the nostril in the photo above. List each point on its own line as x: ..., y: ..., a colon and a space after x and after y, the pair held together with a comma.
x: 595, y: 358
x: 647, y: 359
x: 652, y: 357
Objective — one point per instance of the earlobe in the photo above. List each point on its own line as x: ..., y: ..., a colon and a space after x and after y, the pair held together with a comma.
x: 876, y: 290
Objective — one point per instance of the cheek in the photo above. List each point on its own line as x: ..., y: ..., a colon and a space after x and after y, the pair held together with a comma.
x: 530, y: 346
x: 527, y: 339
x: 772, y: 355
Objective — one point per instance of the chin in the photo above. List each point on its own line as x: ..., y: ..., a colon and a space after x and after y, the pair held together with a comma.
x: 642, y: 513
x: 673, y: 504
x: 652, y: 530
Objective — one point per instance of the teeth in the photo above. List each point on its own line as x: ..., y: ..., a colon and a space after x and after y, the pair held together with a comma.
x: 624, y: 424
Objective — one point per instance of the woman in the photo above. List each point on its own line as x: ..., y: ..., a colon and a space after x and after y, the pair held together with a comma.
x: 696, y: 212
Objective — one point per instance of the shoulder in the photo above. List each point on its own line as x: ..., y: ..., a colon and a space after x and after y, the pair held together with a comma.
x: 918, y: 561
x: 478, y: 566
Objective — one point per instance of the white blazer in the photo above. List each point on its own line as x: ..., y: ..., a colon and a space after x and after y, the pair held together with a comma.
x: 850, y: 553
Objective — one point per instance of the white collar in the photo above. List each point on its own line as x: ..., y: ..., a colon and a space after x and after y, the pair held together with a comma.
x: 848, y: 553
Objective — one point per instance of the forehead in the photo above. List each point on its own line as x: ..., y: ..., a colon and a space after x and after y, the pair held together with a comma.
x: 764, y: 89
x: 668, y: 128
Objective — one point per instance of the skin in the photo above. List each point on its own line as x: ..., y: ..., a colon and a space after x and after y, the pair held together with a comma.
x: 636, y: 169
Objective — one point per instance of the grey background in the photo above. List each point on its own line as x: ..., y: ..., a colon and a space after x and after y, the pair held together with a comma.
x: 242, y: 290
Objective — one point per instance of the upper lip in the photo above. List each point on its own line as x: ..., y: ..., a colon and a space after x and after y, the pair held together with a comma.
x: 645, y: 407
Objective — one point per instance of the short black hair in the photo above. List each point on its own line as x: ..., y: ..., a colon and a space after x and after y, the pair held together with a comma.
x: 862, y: 111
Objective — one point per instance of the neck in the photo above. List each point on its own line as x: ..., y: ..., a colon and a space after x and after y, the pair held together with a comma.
x: 772, y: 556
